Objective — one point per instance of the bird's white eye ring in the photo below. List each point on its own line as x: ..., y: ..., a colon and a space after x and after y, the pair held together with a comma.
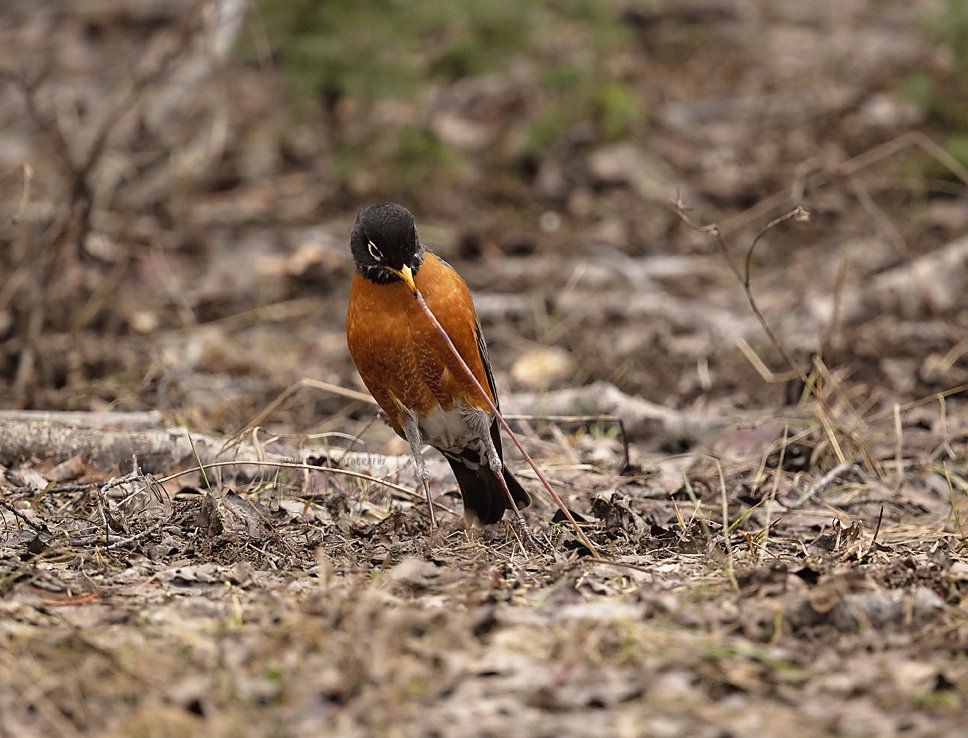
x: 374, y: 251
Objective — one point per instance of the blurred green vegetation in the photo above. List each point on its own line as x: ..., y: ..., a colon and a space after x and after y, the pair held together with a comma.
x: 950, y: 26
x: 945, y: 100
x: 379, y: 48
x: 334, y: 51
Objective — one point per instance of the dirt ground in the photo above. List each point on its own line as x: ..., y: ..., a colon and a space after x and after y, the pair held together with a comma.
x: 778, y: 518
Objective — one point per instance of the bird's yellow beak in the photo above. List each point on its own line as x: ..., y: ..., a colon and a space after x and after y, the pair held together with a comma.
x: 407, y: 276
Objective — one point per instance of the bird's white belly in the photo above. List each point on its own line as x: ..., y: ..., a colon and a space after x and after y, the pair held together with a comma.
x: 456, y: 429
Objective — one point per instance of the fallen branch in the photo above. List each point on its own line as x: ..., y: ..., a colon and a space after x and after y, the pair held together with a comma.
x: 50, y: 437
x: 129, y: 421
x: 639, y: 416
x: 156, y: 450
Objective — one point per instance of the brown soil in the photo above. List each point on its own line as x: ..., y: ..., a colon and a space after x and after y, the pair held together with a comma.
x: 776, y: 557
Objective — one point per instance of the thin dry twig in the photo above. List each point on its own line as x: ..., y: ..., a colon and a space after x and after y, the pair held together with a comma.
x: 108, y: 544
x: 766, y: 374
x: 46, y: 261
x: 877, y: 530
x: 864, y: 160
x: 613, y: 419
x: 28, y: 174
x: 771, y: 497
x: 899, y: 447
x: 274, y: 404
x: 298, y: 465
x: 23, y: 518
x: 798, y: 214
x: 904, y: 407
x: 825, y: 482
x: 831, y: 337
x: 943, y: 429
x: 727, y: 541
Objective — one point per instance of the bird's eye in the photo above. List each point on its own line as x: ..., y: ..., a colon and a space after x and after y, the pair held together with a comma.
x: 374, y: 251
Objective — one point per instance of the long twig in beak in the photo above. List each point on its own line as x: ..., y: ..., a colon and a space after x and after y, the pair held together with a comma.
x: 407, y: 277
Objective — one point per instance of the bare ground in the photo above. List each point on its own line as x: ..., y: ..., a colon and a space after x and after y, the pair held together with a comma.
x: 772, y: 558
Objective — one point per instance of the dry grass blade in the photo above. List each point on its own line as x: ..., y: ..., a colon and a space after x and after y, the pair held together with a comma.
x: 20, y: 516
x: 766, y: 374
x: 745, y: 276
x: 611, y: 419
x: 877, y: 530
x: 291, y: 465
x: 798, y: 214
x: 28, y: 172
x: 905, y: 406
x: 864, y: 160
x: 899, y: 448
x: 727, y: 528
x: 292, y: 389
x: 953, y: 498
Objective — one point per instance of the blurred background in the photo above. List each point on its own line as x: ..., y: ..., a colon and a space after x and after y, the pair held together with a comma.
x: 178, y: 180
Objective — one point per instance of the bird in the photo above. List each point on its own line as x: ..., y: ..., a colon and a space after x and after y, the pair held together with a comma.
x: 408, y: 368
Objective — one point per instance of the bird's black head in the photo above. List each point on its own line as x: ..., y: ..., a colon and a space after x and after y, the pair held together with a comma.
x: 384, y: 241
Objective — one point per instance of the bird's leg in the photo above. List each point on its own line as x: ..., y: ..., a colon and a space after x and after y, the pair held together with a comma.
x: 480, y: 423
x: 411, y: 432
x: 497, y: 466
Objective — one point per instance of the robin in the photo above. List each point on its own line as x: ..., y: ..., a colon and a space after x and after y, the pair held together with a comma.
x: 408, y: 368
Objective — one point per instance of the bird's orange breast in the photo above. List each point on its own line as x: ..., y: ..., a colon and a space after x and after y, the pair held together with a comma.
x: 402, y: 359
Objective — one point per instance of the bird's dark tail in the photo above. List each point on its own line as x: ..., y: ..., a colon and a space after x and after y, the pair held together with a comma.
x: 483, y: 495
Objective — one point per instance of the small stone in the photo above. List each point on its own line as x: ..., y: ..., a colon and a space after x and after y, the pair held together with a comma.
x: 542, y: 367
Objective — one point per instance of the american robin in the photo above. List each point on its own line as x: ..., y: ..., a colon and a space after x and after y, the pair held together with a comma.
x: 407, y: 366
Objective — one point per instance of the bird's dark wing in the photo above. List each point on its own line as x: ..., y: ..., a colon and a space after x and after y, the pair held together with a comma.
x: 482, y: 350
